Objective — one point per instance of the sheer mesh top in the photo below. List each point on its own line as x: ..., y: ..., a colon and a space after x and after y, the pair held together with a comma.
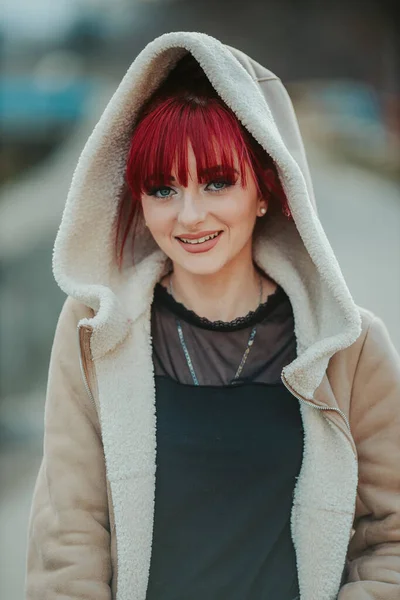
x: 216, y: 347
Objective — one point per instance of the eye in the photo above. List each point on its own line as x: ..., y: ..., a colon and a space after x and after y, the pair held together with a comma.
x: 219, y: 185
x: 160, y: 192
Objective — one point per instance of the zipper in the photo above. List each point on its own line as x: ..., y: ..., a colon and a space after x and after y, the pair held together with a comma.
x: 81, y: 341
x: 313, y: 405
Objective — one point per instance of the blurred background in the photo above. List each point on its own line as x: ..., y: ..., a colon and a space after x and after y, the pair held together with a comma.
x: 60, y: 63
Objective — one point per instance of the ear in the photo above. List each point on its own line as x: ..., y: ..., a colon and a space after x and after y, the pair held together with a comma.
x: 270, y: 178
x: 262, y: 207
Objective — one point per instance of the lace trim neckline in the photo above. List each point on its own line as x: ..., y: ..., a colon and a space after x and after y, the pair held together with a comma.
x: 162, y: 296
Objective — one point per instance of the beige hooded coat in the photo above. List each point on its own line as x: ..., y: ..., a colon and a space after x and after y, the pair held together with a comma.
x: 90, y: 531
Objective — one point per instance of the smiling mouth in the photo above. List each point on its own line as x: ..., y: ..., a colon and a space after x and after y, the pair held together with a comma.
x: 201, y: 240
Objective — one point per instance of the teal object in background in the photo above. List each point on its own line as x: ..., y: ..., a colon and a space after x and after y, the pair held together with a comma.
x: 27, y: 104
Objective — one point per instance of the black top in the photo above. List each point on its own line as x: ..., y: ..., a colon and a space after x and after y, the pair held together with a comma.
x: 216, y: 348
x: 227, y: 459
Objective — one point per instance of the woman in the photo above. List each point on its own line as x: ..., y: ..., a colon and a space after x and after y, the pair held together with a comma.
x: 228, y: 425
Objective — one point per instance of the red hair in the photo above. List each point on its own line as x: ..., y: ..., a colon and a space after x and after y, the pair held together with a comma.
x: 159, y: 145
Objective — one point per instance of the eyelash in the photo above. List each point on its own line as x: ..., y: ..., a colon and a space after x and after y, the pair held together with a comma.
x: 228, y: 183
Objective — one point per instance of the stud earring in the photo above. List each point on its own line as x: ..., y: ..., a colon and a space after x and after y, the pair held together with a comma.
x: 263, y: 210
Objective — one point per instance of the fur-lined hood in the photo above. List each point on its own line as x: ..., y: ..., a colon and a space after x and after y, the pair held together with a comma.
x: 297, y: 254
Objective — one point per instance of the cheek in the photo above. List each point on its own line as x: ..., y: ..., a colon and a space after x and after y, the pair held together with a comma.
x: 158, y: 218
x: 243, y: 211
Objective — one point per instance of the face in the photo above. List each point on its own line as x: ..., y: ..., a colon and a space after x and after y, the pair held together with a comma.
x: 205, y: 226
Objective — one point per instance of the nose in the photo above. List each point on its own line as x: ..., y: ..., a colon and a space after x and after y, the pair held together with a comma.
x: 192, y: 211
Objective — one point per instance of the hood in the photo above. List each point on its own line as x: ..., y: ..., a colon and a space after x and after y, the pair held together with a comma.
x: 297, y: 255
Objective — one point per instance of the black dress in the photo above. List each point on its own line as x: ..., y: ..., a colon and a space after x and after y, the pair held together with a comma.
x: 227, y: 456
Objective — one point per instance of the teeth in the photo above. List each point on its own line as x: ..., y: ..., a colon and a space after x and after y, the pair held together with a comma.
x: 200, y: 240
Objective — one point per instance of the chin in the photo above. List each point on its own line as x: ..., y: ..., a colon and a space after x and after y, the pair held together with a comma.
x: 201, y: 266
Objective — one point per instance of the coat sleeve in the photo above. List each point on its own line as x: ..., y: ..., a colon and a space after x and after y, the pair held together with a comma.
x: 374, y: 550
x: 68, y: 539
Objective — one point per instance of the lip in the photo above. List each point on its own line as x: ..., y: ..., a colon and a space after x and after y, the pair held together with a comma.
x: 196, y: 236
x: 203, y: 247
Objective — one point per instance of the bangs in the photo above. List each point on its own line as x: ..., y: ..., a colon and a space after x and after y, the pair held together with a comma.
x: 159, y: 145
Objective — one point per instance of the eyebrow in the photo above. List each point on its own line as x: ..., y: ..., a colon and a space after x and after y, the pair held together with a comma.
x: 209, y: 171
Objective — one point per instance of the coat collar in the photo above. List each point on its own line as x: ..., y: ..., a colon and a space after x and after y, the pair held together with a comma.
x: 317, y: 340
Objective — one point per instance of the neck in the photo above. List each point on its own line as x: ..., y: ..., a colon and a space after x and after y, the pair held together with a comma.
x: 225, y: 295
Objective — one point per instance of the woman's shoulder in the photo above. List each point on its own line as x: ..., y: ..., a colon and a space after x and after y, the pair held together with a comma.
x: 367, y: 316
x: 377, y: 343
x: 72, y: 314
x: 370, y: 322
x: 371, y: 359
x: 73, y: 310
x: 374, y: 334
